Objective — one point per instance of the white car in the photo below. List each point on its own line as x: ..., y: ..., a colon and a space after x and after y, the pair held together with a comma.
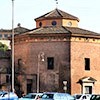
x: 56, y: 96
x: 4, y: 95
x: 31, y: 96
x: 82, y: 96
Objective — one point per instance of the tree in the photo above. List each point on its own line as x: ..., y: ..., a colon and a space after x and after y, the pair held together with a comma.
x: 3, y: 47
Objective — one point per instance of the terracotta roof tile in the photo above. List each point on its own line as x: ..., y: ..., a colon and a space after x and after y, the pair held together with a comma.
x: 75, y: 31
x: 20, y: 29
x: 50, y: 29
x: 16, y: 30
x: 56, y: 13
x: 5, y: 30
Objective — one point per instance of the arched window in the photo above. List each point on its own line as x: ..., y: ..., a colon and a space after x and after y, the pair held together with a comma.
x: 40, y: 24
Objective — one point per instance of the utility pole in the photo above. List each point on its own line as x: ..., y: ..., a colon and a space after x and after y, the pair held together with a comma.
x: 40, y: 59
x: 13, y: 46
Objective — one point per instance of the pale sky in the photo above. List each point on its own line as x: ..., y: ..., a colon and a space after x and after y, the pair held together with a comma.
x: 25, y: 11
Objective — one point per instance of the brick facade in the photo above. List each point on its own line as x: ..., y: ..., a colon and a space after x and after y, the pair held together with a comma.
x: 69, y: 46
x: 80, y: 50
x: 49, y: 79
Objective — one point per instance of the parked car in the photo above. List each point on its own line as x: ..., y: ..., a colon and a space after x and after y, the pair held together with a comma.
x: 82, y: 96
x: 4, y: 95
x: 31, y: 96
x: 95, y: 97
x: 56, y: 96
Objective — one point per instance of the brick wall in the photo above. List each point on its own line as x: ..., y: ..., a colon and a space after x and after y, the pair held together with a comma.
x: 50, y: 80
x: 79, y: 51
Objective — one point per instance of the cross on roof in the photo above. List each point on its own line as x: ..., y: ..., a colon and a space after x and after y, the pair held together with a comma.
x: 56, y: 2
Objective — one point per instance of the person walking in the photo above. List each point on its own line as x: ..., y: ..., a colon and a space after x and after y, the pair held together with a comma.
x: 38, y: 98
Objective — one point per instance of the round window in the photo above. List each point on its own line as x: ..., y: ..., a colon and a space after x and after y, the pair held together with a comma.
x: 54, y: 23
x: 69, y: 23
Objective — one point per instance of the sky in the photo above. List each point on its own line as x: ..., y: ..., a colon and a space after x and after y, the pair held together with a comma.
x: 25, y: 11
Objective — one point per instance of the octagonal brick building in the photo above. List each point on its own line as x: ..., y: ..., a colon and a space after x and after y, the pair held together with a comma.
x: 57, y: 50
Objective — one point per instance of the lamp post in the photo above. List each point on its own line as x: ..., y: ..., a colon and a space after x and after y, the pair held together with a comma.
x: 40, y: 59
x: 13, y: 45
x: 65, y: 86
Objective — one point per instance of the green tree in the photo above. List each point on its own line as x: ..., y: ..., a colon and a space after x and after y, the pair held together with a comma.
x: 3, y: 47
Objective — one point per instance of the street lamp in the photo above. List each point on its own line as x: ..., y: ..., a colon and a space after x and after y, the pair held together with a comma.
x: 65, y: 85
x: 13, y: 45
x: 40, y: 59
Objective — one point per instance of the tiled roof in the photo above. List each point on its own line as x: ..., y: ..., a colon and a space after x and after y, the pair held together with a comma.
x: 47, y: 30
x: 62, y: 29
x: 56, y: 13
x: 18, y: 29
x: 76, y: 30
x: 5, y: 30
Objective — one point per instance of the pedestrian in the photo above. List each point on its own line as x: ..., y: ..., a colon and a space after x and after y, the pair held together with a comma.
x: 38, y: 98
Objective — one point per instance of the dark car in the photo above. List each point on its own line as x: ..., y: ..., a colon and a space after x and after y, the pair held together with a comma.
x: 95, y: 97
x: 82, y: 96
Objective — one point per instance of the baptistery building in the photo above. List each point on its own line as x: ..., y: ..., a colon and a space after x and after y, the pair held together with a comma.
x: 58, y: 55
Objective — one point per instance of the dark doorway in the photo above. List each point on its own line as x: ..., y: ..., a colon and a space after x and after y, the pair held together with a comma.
x: 88, y: 89
x: 29, y: 85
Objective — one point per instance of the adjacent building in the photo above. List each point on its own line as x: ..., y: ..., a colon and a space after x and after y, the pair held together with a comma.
x: 5, y: 56
x: 6, y: 33
x: 57, y: 50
